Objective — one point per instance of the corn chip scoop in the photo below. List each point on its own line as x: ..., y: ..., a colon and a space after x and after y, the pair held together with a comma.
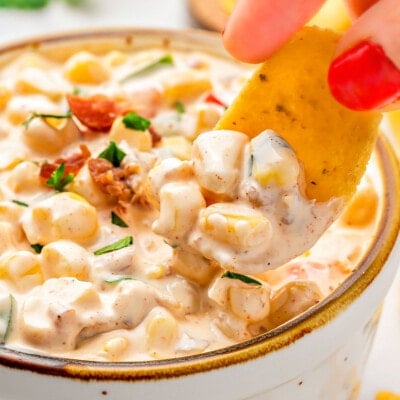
x: 289, y: 94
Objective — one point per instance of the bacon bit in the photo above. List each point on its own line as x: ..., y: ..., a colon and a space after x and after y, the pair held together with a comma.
x: 72, y: 164
x: 155, y: 136
x: 211, y: 98
x: 96, y: 112
x: 111, y: 180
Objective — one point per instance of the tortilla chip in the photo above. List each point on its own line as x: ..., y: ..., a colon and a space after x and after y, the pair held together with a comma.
x: 289, y: 94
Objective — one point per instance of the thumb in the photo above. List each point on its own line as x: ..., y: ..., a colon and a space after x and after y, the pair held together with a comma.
x: 366, y: 73
x: 257, y: 28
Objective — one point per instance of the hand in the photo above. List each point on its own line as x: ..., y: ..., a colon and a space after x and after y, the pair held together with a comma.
x: 365, y: 73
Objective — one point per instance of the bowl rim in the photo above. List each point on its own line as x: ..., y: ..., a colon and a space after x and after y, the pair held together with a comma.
x: 276, y: 339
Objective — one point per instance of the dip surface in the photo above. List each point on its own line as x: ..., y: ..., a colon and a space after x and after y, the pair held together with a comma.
x: 129, y: 230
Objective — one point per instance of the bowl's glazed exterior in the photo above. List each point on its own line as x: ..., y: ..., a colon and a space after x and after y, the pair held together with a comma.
x: 318, y: 355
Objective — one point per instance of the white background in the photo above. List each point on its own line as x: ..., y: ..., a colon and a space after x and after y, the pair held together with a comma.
x: 383, y: 368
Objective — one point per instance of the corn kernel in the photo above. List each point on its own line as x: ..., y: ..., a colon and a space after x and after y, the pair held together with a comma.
x: 24, y: 177
x: 10, y: 235
x: 115, y: 58
x: 5, y: 95
x: 86, y: 68
x: 362, y: 208
x: 292, y: 299
x: 19, y: 108
x: 37, y: 81
x: 23, y: 269
x: 63, y: 216
x: 161, y: 329
x: 10, y: 212
x: 193, y: 266
x: 251, y: 303
x: 185, y: 86
x: 273, y: 161
x: 217, y: 161
x: 65, y: 258
x: 235, y: 225
x: 180, y: 204
x: 170, y: 169
x: 115, y: 347
x: 207, y: 117
x: 180, y: 147
x: 140, y: 140
x: 156, y: 271
x: 42, y: 135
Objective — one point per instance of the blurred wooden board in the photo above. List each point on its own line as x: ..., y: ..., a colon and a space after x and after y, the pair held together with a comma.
x: 210, y: 13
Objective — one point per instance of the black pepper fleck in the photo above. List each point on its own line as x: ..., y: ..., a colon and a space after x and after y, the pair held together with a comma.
x: 263, y: 77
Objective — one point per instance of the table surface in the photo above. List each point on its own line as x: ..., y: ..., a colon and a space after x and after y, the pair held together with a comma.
x: 382, y: 370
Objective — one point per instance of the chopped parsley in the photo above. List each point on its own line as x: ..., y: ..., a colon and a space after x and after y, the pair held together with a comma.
x: 240, y: 277
x: 136, y: 122
x: 33, y: 4
x: 173, y: 245
x: 35, y: 115
x: 20, y: 203
x: 57, y: 179
x: 162, y: 61
x: 117, y: 220
x: 37, y: 247
x: 113, y: 154
x: 120, y: 244
x: 180, y: 107
x: 251, y: 164
x: 6, y: 316
x: 24, y: 3
x: 117, y: 279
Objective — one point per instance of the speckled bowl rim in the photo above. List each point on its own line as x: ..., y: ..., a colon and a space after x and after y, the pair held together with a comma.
x: 274, y: 340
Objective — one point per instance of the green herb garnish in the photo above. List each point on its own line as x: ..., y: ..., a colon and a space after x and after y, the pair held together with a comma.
x: 37, y: 247
x: 173, y: 245
x: 35, y: 115
x: 117, y: 279
x: 117, y: 220
x: 6, y: 316
x: 32, y: 4
x: 180, y: 107
x: 20, y: 203
x: 251, y: 164
x: 240, y: 277
x: 57, y: 179
x: 24, y: 3
x: 120, y: 244
x: 113, y: 154
x: 162, y: 61
x: 136, y: 122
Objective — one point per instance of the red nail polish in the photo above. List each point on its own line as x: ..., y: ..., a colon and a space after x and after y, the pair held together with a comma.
x: 364, y: 78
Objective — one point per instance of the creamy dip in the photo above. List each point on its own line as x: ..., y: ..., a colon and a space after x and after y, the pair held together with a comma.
x: 130, y: 230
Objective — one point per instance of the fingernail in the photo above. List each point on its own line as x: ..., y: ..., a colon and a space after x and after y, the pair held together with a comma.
x: 364, y: 78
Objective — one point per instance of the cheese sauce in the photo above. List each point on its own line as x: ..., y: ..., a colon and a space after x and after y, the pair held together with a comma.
x: 130, y: 230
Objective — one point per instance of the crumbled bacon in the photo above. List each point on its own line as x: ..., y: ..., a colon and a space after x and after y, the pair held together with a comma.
x: 155, y: 136
x: 72, y: 164
x: 96, y: 112
x: 111, y: 180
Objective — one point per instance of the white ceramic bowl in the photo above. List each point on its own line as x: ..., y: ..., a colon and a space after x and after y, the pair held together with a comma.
x: 318, y: 355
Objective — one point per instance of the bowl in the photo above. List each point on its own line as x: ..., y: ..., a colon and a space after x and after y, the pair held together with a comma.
x: 319, y: 354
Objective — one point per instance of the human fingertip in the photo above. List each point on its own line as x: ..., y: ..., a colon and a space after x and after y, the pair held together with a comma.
x: 364, y: 78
